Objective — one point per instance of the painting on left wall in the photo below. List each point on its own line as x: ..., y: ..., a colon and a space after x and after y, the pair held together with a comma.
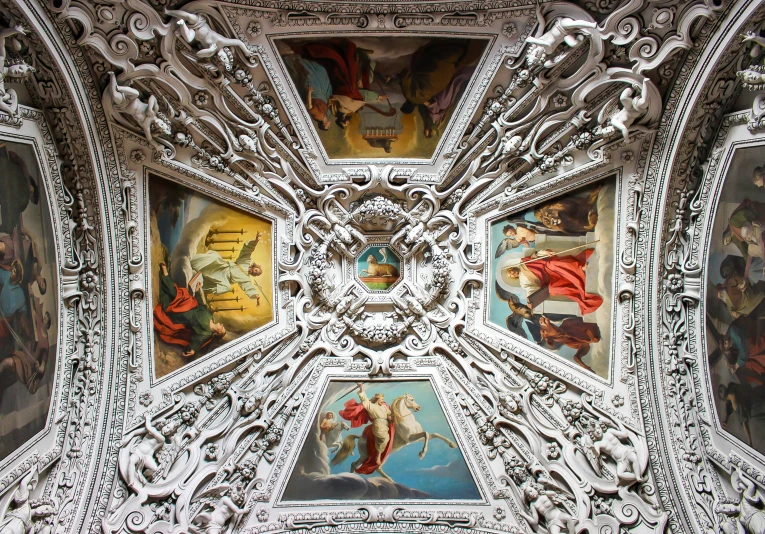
x: 212, y: 274
x: 28, y: 298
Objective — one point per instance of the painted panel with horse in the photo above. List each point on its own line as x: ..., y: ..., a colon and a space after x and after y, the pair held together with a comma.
x: 380, y: 440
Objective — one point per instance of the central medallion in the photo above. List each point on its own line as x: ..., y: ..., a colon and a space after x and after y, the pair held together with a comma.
x: 378, y: 268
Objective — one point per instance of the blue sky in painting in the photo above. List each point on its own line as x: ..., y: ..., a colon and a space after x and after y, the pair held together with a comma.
x: 443, y: 472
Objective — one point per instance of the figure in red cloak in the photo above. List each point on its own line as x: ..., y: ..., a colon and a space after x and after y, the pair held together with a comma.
x: 180, y: 320
x: 572, y: 332
x: 379, y: 434
x: 559, y: 276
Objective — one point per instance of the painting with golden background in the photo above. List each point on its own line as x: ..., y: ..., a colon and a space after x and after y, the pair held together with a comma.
x: 212, y: 274
x: 378, y: 97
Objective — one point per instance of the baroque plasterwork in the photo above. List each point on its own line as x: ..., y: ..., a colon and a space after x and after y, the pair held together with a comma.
x: 510, y: 402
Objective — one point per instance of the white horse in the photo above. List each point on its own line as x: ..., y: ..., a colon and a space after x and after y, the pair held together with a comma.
x: 407, y: 431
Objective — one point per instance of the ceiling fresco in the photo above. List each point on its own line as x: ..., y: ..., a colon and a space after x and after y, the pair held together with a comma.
x: 276, y: 267
x: 373, y: 97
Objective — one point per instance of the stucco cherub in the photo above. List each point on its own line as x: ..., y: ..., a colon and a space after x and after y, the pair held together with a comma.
x: 563, y: 30
x: 194, y: 27
x: 21, y: 516
x: 543, y: 506
x: 748, y: 515
x: 344, y: 237
x: 635, y: 103
x: 226, y: 503
x: 602, y: 440
x: 138, y: 457
x: 414, y: 234
x: 126, y: 101
x: 9, y: 101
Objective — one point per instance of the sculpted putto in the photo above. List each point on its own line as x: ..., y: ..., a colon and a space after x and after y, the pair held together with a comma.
x: 9, y: 101
x: 635, y: 102
x: 194, y: 27
x: 21, y: 517
x: 542, y: 505
x: 563, y: 30
x: 228, y: 505
x: 748, y: 515
x: 609, y: 442
x: 126, y: 100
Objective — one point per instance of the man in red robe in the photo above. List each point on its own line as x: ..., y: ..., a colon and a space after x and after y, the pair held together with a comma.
x: 560, y: 275
x: 340, y: 58
x: 572, y: 332
x: 180, y: 320
x: 379, y: 434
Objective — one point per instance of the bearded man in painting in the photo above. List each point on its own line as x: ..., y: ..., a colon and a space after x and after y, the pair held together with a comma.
x: 378, y: 412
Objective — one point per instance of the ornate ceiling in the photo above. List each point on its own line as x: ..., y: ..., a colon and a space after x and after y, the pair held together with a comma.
x: 365, y: 267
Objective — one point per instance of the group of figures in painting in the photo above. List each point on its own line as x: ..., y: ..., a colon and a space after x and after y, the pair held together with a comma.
x: 735, y: 321
x: 358, y: 447
x: 213, y: 273
x: 380, y: 97
x: 553, y: 270
x: 27, y: 298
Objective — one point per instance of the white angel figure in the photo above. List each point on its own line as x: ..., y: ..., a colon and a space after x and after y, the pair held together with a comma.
x: 414, y: 234
x: 138, y: 456
x: 597, y: 442
x: 564, y: 30
x: 9, y: 101
x: 194, y: 27
x: 126, y: 100
x: 543, y: 504
x: 344, y: 236
x: 20, y: 518
x: 748, y: 515
x: 612, y: 118
x: 226, y: 502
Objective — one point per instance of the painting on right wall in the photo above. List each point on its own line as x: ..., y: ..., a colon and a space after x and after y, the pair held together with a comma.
x: 735, y: 299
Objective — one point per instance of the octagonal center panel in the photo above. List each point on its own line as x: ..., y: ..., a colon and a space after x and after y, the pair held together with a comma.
x: 378, y: 268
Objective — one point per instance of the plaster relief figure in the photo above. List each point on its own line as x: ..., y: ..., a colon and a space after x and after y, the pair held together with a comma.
x: 542, y: 505
x: 225, y: 504
x: 139, y: 461
x: 194, y: 27
x: 748, y: 515
x: 635, y: 103
x: 9, y: 100
x: 24, y: 513
x: 609, y: 441
x: 126, y: 101
x: 563, y: 30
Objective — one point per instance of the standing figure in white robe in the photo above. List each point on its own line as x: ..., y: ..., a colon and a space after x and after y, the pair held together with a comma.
x: 220, y: 274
